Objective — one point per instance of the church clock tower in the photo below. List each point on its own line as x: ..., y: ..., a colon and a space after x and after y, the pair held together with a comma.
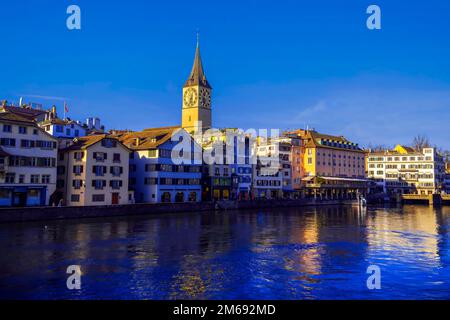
x: 196, y: 98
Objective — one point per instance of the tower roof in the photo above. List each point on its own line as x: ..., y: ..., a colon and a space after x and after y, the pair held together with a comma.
x: 197, y: 76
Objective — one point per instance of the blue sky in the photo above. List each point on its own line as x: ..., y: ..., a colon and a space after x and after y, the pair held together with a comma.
x: 272, y: 64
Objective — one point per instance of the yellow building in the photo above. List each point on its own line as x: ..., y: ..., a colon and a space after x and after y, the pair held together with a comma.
x: 333, y: 166
x: 94, y: 171
x: 196, y: 98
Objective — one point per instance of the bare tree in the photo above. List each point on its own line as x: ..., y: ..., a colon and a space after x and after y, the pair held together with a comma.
x: 420, y: 142
x: 377, y: 147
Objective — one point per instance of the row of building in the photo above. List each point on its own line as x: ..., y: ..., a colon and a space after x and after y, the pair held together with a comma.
x: 46, y: 160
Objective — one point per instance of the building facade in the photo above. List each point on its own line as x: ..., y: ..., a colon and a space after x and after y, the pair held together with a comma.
x: 447, y: 178
x: 218, y: 182
x: 158, y: 173
x: 407, y: 171
x: 28, y: 157
x: 268, y: 170
x: 332, y: 166
x: 93, y: 170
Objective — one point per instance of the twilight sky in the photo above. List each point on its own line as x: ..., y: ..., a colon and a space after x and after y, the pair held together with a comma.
x: 272, y: 64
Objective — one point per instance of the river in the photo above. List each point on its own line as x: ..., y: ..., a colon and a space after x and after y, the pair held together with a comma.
x: 296, y: 253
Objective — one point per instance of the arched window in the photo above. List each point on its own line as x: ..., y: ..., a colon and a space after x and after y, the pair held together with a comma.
x: 179, y: 197
x: 165, y: 197
x: 193, y: 196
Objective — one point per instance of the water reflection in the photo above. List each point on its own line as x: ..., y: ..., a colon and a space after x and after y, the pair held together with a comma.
x: 299, y: 253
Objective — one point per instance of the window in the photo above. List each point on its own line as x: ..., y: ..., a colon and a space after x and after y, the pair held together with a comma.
x: 34, y: 178
x: 77, y: 133
x: 166, y: 181
x: 150, y: 167
x: 7, y: 128
x: 150, y: 181
x: 116, y: 157
x: 26, y: 143
x: 166, y: 167
x: 100, y: 156
x: 59, y: 129
x: 98, y: 197
x: 22, y: 178
x: 75, y: 198
x: 99, y: 184
x: 99, y: 170
x: 10, y: 177
x: 78, y: 156
x: 6, y: 142
x: 22, y: 130
x: 46, y: 144
x: 115, y: 184
x: 68, y: 132
x: 35, y: 131
x: 45, y: 179
x: 78, y: 170
x: 116, y: 171
x: 109, y: 143
x: 76, y: 184
x: 152, y: 153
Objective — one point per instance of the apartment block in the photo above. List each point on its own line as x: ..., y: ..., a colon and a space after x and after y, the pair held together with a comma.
x: 93, y: 170
x: 28, y: 157
x: 405, y: 170
x: 160, y: 173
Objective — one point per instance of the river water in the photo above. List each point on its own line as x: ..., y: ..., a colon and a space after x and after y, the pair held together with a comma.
x: 296, y: 253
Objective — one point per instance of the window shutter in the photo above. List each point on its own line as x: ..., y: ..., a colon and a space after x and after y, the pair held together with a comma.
x: 104, y: 183
x: 121, y: 170
x: 93, y: 183
x: 111, y: 170
x: 110, y: 183
x: 105, y: 156
x: 94, y: 169
x: 81, y: 169
x: 120, y: 183
x: 94, y: 155
x: 104, y: 169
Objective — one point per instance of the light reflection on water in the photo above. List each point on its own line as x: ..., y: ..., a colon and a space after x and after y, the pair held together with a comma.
x: 299, y: 253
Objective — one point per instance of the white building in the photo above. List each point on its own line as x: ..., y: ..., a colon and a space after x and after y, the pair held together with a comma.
x: 267, y: 173
x: 447, y: 178
x: 59, y: 128
x: 407, y: 171
x: 28, y: 158
x: 93, y: 171
x: 155, y: 173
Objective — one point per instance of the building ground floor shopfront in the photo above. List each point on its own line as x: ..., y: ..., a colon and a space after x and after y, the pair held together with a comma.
x: 333, y: 188
x: 23, y: 196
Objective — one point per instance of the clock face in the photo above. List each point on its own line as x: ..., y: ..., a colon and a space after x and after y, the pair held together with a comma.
x: 190, y: 97
x: 206, y: 98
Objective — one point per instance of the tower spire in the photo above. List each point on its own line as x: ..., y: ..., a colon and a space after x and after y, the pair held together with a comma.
x: 197, y: 76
